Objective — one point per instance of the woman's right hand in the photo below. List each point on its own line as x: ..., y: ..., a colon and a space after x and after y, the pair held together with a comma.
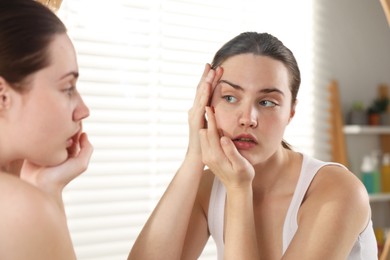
x: 223, y: 159
x: 52, y: 180
x: 196, y: 115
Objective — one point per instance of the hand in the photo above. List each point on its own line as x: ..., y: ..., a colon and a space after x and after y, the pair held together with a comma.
x: 223, y: 158
x: 52, y: 180
x: 196, y: 118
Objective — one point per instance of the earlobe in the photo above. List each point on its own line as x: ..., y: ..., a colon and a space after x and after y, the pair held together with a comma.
x: 292, y: 113
x: 5, y: 95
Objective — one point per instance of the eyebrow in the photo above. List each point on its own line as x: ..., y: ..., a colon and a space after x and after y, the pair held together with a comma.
x: 238, y: 87
x: 75, y: 74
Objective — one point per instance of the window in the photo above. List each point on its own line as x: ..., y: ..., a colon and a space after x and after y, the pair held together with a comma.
x: 140, y: 62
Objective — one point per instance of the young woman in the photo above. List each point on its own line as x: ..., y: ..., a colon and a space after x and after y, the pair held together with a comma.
x: 258, y: 198
x: 42, y: 147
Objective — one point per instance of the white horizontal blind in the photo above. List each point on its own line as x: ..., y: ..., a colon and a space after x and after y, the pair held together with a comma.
x: 140, y: 62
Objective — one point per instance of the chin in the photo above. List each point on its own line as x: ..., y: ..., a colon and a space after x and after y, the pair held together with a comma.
x: 249, y: 157
x: 252, y: 158
x: 53, y: 160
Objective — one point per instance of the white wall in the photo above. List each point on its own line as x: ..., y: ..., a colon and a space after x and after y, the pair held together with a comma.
x: 354, y: 47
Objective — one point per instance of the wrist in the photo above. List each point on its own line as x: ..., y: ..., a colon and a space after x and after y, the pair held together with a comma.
x: 194, y: 162
x: 194, y: 156
x: 242, y: 190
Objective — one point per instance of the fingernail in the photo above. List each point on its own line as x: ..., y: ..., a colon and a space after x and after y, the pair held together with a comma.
x: 209, y: 76
x: 224, y: 141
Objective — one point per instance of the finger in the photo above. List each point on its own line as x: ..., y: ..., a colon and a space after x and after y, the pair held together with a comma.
x: 212, y: 124
x: 217, y: 78
x: 86, y: 149
x: 206, y: 71
x: 231, y: 152
x: 211, y: 147
x: 75, y: 147
x: 197, y: 111
x: 206, y: 88
x: 79, y: 163
x: 212, y: 155
x: 74, y: 166
x: 204, y: 144
x: 205, y: 82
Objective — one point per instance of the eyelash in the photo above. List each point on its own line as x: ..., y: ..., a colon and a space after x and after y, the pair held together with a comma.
x: 227, y: 97
x: 273, y: 104
x: 69, y: 91
x: 262, y: 102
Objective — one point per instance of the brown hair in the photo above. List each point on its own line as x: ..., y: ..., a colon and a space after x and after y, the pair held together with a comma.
x: 26, y: 30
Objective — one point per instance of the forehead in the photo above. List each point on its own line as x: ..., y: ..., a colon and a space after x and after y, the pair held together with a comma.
x: 62, y: 61
x: 248, y: 70
x: 62, y: 54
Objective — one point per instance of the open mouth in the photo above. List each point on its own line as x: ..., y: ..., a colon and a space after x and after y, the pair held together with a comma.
x: 244, y: 142
x: 249, y: 140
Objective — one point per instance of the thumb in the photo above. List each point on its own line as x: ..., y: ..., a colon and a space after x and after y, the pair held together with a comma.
x: 86, y: 149
x: 231, y: 152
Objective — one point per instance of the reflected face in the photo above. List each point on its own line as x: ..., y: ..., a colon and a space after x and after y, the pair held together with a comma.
x: 48, y: 115
x: 252, y: 104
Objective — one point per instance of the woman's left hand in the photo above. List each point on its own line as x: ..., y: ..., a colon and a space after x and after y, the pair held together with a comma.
x: 52, y: 180
x: 222, y: 157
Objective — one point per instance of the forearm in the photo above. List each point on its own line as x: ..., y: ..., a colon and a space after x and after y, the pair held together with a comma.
x: 240, y: 237
x: 164, y: 233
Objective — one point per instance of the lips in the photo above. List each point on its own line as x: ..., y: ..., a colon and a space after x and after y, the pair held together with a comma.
x: 72, y: 144
x: 244, y: 141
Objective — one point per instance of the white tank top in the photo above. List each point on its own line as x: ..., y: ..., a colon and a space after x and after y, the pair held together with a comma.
x: 365, y: 247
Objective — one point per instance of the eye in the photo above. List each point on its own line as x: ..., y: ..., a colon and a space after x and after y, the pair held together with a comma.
x: 267, y: 103
x: 69, y: 91
x: 230, y: 99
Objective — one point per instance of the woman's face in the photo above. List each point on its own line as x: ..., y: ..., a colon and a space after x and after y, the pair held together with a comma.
x: 48, y: 115
x: 252, y: 104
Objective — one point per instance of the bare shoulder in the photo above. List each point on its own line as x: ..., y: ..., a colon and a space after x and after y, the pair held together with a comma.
x: 339, y: 189
x: 337, y: 181
x: 37, y: 225
x: 335, y: 203
x: 18, y: 196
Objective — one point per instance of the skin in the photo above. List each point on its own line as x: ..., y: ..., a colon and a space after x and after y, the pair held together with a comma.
x: 250, y: 108
x: 53, y: 89
x: 43, y: 145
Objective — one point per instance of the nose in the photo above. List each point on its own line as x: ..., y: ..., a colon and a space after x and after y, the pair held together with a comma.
x: 81, y: 111
x: 248, y: 118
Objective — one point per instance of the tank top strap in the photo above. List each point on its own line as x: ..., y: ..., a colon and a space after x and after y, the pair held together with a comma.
x: 310, y: 167
x: 216, y: 214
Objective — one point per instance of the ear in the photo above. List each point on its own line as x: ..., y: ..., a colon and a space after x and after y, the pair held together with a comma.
x: 5, y: 94
x: 292, y: 112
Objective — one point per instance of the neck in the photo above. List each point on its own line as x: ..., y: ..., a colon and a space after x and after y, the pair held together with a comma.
x: 12, y: 168
x: 276, y: 174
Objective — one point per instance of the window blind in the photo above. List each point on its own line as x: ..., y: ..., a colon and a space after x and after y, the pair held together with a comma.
x: 140, y: 63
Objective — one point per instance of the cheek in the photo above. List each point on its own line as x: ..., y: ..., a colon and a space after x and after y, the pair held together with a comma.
x: 225, y: 121
x: 49, y: 118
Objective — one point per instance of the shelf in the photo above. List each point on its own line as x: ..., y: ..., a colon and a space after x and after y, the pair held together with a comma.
x: 363, y: 129
x: 380, y: 197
